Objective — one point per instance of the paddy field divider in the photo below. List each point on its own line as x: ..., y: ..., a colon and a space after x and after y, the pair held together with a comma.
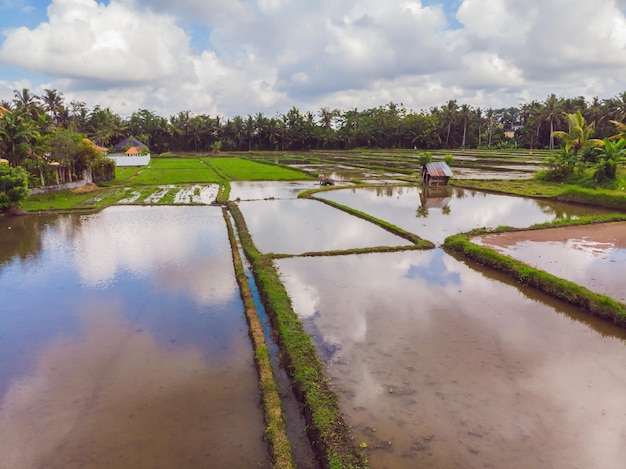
x: 329, y: 434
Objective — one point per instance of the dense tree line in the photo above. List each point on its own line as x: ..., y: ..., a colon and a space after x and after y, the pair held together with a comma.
x: 452, y: 125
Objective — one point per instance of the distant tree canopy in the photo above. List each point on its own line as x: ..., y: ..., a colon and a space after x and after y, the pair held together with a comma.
x: 451, y: 125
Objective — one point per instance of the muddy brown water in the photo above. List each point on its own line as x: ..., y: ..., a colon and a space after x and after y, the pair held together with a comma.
x: 439, y: 365
x: 123, y: 343
x: 592, y: 255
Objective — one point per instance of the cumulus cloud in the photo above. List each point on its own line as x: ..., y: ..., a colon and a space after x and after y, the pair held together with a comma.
x: 241, y: 57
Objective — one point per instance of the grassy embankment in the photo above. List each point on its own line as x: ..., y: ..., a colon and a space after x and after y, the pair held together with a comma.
x: 599, y: 305
x: 275, y: 434
x: 328, y: 432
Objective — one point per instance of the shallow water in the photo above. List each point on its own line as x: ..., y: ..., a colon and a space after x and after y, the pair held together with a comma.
x: 437, y: 213
x: 301, y: 225
x: 593, y: 256
x: 260, y: 190
x: 439, y: 365
x: 123, y: 343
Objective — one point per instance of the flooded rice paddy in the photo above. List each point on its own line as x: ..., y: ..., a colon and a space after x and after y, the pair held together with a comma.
x: 593, y: 256
x: 123, y: 343
x: 296, y: 226
x: 123, y: 339
x: 437, y: 213
x: 439, y: 365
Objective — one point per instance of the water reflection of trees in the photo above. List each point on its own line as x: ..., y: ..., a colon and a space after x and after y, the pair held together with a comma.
x: 21, y: 237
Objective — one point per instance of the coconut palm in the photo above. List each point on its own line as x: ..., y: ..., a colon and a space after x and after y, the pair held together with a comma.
x: 53, y: 102
x: 27, y: 101
x: 450, y: 111
x: 578, y: 136
x: 551, y: 113
x: 18, y: 134
x: 465, y: 114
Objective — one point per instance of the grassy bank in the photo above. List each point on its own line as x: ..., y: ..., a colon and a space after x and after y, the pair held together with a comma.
x: 606, y: 198
x: 329, y: 434
x: 599, y: 305
x: 276, y: 435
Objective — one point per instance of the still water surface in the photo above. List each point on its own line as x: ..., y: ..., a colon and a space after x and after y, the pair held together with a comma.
x: 439, y: 365
x: 302, y: 225
x: 123, y: 343
x: 437, y: 213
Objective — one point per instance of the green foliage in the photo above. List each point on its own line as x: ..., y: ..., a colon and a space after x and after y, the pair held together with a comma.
x: 13, y: 186
x: 426, y: 157
x: 560, y: 165
x: 448, y: 159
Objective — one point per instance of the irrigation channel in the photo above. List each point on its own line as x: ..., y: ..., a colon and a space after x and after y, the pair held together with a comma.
x: 123, y: 339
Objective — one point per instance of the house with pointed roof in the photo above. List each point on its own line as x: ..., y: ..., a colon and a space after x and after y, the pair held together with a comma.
x: 130, y: 142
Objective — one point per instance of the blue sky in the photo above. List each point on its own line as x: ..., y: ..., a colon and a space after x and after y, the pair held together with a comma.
x: 240, y: 57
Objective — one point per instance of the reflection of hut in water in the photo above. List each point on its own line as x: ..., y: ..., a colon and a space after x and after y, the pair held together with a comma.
x: 434, y: 197
x: 436, y: 174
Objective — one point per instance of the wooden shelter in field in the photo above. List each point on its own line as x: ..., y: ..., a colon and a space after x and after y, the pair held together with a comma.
x: 436, y: 174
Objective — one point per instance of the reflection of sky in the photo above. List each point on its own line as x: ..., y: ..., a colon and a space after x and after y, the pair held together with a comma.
x: 467, y: 210
x: 601, y: 267
x: 470, y: 360
x: 259, y: 190
x: 301, y: 225
x: 169, y: 270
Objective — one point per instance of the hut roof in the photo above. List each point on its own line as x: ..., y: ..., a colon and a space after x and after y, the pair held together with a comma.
x: 132, y: 151
x: 130, y: 142
x: 438, y: 169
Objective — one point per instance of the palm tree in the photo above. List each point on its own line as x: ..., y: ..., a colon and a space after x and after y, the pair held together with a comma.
x: 53, y: 102
x: 552, y: 114
x: 18, y: 134
x: 449, y: 115
x: 618, y: 107
x: 27, y: 101
x: 578, y: 137
x: 465, y: 114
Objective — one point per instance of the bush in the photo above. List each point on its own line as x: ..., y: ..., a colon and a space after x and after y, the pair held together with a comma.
x: 13, y: 186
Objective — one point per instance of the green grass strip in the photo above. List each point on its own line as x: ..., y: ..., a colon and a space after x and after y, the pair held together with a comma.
x: 276, y: 434
x: 329, y: 434
x: 598, y: 305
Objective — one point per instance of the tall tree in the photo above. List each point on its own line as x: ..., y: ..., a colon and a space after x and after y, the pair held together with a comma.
x: 18, y: 134
x: 28, y: 102
x: 53, y: 102
x: 551, y: 113
x: 465, y: 114
x: 450, y: 111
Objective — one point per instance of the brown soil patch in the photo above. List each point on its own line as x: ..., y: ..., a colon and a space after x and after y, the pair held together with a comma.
x: 86, y: 189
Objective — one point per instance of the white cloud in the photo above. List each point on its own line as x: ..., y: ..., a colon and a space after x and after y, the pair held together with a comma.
x: 242, y: 57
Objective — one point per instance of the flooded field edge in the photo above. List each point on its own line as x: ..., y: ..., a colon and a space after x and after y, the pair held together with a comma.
x: 596, y: 304
x: 329, y: 434
x: 276, y: 435
x: 420, y: 243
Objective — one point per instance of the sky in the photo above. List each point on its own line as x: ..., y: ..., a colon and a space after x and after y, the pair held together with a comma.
x: 242, y: 57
